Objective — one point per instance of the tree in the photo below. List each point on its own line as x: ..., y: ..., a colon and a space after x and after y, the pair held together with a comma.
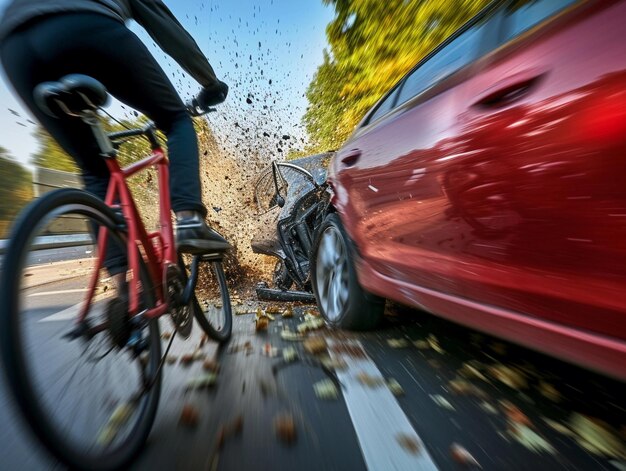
x: 16, y: 189
x: 372, y: 45
x: 50, y: 154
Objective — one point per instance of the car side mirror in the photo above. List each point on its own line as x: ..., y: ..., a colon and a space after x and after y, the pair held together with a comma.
x: 280, y: 200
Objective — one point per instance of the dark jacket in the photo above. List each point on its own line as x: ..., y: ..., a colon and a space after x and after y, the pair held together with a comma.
x: 153, y: 15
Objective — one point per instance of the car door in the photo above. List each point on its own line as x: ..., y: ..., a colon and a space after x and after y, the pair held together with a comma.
x: 388, y: 175
x: 541, y: 189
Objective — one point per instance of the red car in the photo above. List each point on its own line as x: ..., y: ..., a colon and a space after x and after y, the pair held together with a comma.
x: 489, y: 186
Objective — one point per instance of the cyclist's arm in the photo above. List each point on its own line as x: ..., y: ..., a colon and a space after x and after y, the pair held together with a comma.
x: 170, y: 35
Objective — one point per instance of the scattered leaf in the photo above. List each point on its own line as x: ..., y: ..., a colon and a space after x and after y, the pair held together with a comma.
x: 511, y: 376
x: 288, y: 313
x: 409, y: 442
x: 434, y: 344
x: 269, y: 351
x: 289, y: 354
x: 326, y: 389
x: 333, y: 363
x: 287, y: 334
x: 498, y: 347
x: 211, y: 365
x: 186, y: 359
x: 189, y: 416
x: 395, y: 387
x: 488, y: 408
x: 166, y: 335
x: 198, y: 355
x: 559, y: 427
x: 421, y: 344
x: 529, y: 438
x: 463, y: 457
x: 202, y: 381
x: 548, y: 391
x: 597, y: 437
x: 369, y: 380
x: 514, y: 414
x: 441, y: 401
x: 262, y: 323
x: 315, y: 345
x: 463, y: 387
x: 433, y: 362
x: 471, y: 372
x: 310, y: 323
x: 350, y: 349
x: 285, y: 428
x: 398, y: 343
x: 121, y: 414
x: 619, y: 465
x: 171, y: 359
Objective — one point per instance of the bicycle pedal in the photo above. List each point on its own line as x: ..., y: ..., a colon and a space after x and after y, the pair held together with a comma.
x: 81, y: 330
x: 211, y: 257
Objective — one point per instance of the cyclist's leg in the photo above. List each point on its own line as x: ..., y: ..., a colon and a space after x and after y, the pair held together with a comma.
x: 25, y: 70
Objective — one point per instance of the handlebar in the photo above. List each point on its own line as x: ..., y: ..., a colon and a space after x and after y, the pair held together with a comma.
x: 196, y: 110
x: 149, y: 130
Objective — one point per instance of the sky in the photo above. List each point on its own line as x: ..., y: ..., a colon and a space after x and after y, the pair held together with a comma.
x: 267, y: 51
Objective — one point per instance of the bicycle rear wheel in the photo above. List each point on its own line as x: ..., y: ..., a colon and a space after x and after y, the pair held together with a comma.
x: 217, y: 319
x: 85, y: 398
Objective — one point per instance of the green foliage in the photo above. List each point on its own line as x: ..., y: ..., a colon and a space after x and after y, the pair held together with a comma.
x: 16, y: 189
x: 51, y: 155
x: 372, y: 45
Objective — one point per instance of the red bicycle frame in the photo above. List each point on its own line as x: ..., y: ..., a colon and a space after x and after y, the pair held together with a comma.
x: 157, y: 249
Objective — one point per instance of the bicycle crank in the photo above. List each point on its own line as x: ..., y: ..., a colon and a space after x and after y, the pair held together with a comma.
x: 181, y: 314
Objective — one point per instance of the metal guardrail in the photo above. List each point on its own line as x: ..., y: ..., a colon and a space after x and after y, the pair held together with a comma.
x: 70, y: 231
x: 54, y: 242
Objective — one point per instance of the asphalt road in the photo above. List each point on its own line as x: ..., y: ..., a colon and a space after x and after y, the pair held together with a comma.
x: 462, y: 392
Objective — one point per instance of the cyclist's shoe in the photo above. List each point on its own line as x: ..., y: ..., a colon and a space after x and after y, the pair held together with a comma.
x: 195, y: 237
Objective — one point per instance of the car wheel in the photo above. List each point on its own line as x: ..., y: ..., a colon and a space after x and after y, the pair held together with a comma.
x: 282, y: 279
x: 342, y: 301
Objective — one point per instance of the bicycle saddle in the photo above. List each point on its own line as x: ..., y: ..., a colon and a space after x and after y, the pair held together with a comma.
x: 71, y: 95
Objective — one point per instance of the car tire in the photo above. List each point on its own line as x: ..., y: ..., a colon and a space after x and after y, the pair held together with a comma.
x: 281, y: 277
x: 342, y: 301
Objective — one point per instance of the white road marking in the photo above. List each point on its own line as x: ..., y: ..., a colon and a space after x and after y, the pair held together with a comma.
x: 63, y: 291
x: 71, y: 312
x: 378, y: 419
x: 64, y: 315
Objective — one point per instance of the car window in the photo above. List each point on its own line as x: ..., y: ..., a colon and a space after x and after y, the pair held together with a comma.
x: 453, y: 56
x: 521, y: 15
x: 384, y: 106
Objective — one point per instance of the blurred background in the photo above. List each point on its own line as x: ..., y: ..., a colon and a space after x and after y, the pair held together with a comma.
x: 302, y: 75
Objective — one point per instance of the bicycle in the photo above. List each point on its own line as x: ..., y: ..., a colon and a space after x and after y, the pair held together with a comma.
x: 110, y: 324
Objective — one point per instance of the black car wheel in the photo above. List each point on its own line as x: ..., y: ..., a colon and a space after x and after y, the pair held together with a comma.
x: 342, y: 301
x: 282, y: 279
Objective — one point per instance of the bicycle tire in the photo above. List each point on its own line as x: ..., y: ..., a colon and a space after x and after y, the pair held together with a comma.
x: 222, y: 334
x: 13, y: 353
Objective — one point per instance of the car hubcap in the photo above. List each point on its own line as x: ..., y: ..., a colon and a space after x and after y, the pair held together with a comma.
x: 332, y: 273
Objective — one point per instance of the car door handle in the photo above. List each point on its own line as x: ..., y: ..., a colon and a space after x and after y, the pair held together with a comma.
x: 351, y: 158
x: 508, y: 91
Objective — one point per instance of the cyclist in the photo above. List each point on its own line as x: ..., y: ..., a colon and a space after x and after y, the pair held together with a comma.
x: 43, y: 40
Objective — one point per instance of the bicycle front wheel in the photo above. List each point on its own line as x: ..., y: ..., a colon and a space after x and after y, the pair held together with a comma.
x: 90, y: 390
x: 217, y: 319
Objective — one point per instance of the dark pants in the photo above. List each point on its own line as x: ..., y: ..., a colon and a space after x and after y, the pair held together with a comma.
x: 103, y: 48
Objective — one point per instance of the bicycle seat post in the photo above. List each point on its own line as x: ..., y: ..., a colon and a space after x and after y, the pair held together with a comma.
x: 104, y: 143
